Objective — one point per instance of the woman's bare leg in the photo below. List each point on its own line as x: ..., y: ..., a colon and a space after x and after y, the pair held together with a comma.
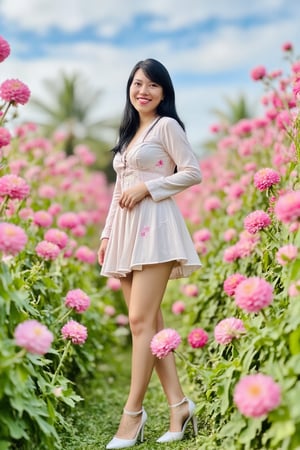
x: 141, y: 299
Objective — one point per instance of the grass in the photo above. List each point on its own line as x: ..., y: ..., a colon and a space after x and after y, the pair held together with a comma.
x: 95, y: 420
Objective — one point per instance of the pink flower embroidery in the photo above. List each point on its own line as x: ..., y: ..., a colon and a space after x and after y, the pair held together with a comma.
x: 159, y: 163
x: 145, y: 230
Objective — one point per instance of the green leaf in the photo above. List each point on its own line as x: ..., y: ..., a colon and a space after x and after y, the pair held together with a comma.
x: 4, y: 445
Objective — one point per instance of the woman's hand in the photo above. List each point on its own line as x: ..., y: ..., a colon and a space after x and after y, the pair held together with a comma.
x: 102, y: 250
x: 134, y: 195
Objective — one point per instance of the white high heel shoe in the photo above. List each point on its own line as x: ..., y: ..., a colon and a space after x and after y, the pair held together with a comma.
x: 171, y: 436
x: 125, y: 443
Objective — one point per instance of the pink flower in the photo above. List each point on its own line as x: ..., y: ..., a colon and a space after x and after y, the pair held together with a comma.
x: 286, y: 254
x: 265, y: 178
x: 113, y: 283
x: 258, y: 73
x: 253, y: 294
x: 229, y: 234
x: 287, y: 207
x: 4, y: 49
x: 84, y: 254
x: 12, y: 238
x: 79, y: 231
x: 190, y: 290
x: 287, y: 47
x: 296, y: 87
x: 164, y: 342
x: 178, y: 307
x: 122, y: 320
x: 78, y: 300
x: 47, y: 250
x: 56, y: 236
x: 198, y: 338
x: 47, y: 191
x: 68, y: 220
x: 14, y: 91
x: 74, y: 331
x: 202, y: 235
x: 256, y: 221
x: 42, y: 219
x: 231, y: 254
x: 256, y: 395
x: 212, y: 203
x: 231, y: 283
x: 109, y: 310
x: 5, y: 137
x: 228, y: 329
x: 14, y: 187
x: 33, y: 336
x: 294, y: 289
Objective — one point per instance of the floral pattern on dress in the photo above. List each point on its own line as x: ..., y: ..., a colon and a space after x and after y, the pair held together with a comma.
x: 159, y: 163
x: 145, y: 231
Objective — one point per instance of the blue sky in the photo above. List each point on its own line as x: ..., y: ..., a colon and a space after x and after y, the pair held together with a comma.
x: 208, y: 47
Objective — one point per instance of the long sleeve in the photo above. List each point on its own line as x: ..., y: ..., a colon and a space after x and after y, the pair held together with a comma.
x: 188, y: 173
x: 112, y: 209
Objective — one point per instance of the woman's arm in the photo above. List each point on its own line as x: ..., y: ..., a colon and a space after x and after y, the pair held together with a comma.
x: 112, y: 209
x: 188, y: 173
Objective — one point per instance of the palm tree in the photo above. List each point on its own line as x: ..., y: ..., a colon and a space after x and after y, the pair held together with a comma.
x: 72, y: 110
x: 236, y: 109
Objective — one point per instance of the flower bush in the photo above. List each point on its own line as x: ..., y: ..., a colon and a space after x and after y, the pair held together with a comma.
x: 54, y: 328
x: 247, y: 389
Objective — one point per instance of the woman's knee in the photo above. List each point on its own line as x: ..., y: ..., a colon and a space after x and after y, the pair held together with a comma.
x: 139, y: 323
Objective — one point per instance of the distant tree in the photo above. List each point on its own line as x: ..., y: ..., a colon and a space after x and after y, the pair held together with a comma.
x: 72, y: 109
x: 236, y: 109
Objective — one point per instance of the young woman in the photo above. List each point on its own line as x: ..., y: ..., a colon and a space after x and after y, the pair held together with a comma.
x: 145, y: 241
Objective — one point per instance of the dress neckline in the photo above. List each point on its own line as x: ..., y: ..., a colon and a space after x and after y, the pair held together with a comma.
x: 143, y: 135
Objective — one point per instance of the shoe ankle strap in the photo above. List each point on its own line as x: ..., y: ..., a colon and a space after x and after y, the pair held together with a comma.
x: 184, y: 400
x: 129, y: 413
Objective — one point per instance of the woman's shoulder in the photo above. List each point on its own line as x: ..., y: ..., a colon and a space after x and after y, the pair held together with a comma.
x: 169, y: 123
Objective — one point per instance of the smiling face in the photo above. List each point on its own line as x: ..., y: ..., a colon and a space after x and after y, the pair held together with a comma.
x: 145, y: 95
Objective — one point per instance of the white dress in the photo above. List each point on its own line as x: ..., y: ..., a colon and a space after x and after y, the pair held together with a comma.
x: 154, y: 231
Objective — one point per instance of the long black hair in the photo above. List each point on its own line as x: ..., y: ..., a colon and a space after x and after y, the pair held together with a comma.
x: 156, y: 72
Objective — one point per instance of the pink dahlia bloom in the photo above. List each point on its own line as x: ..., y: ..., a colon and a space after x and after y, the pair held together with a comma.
x: 178, y: 307
x: 231, y: 254
x: 256, y: 395
x: 296, y: 87
x: 122, y: 320
x: 253, y: 294
x: 228, y: 329
x: 85, y: 254
x: 47, y: 191
x: 287, y: 207
x: 56, y: 236
x: 286, y: 254
x: 78, y: 300
x: 68, y: 220
x: 14, y: 187
x: 287, y: 47
x: 114, y: 284
x: 33, y: 336
x: 190, y: 290
x: 109, y: 310
x: 256, y: 221
x: 12, y: 238
x: 14, y: 91
x: 164, y: 342
x: 47, y: 250
x: 294, y: 289
x: 198, y: 338
x: 4, y: 49
x: 42, y: 219
x: 229, y: 234
x: 5, y: 137
x: 265, y: 178
x: 202, y: 235
x: 231, y: 283
x: 212, y: 203
x: 74, y: 331
x: 258, y: 73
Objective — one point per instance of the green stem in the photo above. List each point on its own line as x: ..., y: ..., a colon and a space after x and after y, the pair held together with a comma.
x: 63, y: 356
x: 63, y: 317
x: 3, y: 205
x: 5, y: 112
